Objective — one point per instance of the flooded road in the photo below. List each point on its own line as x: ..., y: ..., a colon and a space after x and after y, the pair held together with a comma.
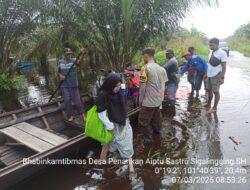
x: 196, y: 150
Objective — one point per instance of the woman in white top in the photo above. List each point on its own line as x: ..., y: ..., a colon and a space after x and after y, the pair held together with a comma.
x: 112, y: 112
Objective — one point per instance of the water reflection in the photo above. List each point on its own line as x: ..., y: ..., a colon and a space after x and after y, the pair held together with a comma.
x: 36, y: 93
x: 39, y: 83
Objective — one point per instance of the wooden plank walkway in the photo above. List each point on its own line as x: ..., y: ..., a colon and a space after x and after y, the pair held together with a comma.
x: 33, y: 137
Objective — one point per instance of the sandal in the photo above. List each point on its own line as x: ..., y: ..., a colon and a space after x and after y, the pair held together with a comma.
x: 207, y: 105
x: 212, y: 110
x: 84, y: 117
x: 132, y: 175
x: 70, y: 119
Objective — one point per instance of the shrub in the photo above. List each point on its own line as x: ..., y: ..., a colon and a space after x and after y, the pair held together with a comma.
x: 160, y: 57
x: 9, y: 83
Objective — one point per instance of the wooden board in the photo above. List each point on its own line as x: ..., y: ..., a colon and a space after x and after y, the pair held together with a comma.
x: 14, y: 154
x: 27, y: 139
x: 41, y: 134
x: 33, y: 137
x: 28, y: 117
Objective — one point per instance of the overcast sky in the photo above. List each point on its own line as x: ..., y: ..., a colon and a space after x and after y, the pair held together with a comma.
x: 219, y: 22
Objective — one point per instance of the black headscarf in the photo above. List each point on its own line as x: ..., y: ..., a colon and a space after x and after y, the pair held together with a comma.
x: 110, y: 83
x: 110, y: 101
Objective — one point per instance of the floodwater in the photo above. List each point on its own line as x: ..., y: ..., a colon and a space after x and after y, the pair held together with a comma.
x: 34, y: 93
x: 33, y: 90
x: 37, y: 85
x: 200, y: 151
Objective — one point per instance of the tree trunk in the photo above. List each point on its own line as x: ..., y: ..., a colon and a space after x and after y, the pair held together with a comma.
x: 4, y: 57
x: 44, y: 65
x: 91, y: 59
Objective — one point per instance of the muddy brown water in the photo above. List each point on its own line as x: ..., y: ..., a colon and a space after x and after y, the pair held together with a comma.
x: 212, y: 149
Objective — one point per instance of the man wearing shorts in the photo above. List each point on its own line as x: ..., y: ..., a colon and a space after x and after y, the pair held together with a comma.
x: 216, y: 73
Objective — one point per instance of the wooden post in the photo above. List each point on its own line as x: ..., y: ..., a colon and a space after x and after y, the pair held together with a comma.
x: 44, y: 118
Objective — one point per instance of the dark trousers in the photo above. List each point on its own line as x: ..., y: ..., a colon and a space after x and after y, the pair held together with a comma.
x: 191, y: 79
x: 149, y: 118
x: 198, y: 78
x: 71, y: 95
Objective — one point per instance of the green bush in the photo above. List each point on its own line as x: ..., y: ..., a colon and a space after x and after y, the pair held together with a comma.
x: 179, y: 42
x: 160, y: 57
x: 239, y: 44
x: 240, y: 41
x: 9, y: 83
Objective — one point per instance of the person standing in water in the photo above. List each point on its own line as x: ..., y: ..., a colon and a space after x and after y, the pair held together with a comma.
x: 200, y: 66
x: 112, y: 112
x: 216, y: 73
x: 69, y: 87
x: 171, y: 67
x: 152, y: 88
x: 191, y: 70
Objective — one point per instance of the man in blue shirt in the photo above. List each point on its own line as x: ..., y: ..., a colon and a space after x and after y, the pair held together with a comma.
x: 191, y: 71
x: 200, y: 66
x: 171, y: 67
x: 67, y: 72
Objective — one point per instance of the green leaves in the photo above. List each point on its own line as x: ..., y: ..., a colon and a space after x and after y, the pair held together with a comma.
x: 160, y: 57
x: 17, y: 18
x: 114, y: 29
x: 40, y: 41
x: 8, y: 83
x: 243, y: 31
x: 123, y: 27
x: 241, y: 39
x: 180, y: 41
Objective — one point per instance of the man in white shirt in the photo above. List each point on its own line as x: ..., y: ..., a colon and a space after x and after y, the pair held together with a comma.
x: 216, y: 73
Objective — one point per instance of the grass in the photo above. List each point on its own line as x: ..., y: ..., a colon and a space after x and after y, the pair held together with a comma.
x: 241, y: 45
x: 240, y: 40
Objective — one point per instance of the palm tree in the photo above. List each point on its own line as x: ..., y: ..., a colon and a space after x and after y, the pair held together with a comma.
x: 115, y: 29
x: 17, y: 18
x: 120, y: 28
